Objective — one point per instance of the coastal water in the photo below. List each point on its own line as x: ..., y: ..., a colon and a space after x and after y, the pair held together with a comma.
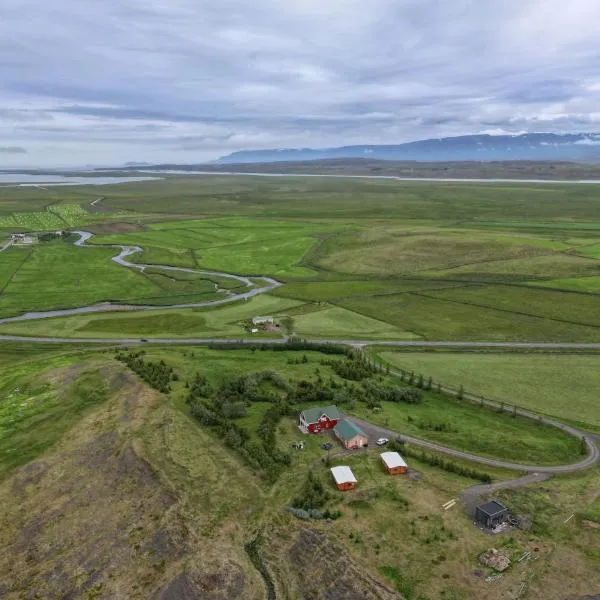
x: 28, y: 179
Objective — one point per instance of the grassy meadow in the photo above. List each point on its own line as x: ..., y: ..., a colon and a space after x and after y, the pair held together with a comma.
x: 561, y: 385
x: 378, y: 259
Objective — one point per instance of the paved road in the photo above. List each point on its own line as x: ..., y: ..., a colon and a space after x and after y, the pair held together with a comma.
x: 250, y: 341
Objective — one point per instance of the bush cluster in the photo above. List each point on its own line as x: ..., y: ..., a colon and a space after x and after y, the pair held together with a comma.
x: 314, y: 513
x: 156, y: 374
x: 219, y: 408
x: 293, y: 344
x: 313, y: 494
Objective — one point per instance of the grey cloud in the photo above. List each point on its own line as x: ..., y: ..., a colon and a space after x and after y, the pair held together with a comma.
x: 12, y: 150
x: 181, y: 79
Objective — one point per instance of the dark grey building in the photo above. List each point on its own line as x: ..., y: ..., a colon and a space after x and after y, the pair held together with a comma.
x: 490, y: 514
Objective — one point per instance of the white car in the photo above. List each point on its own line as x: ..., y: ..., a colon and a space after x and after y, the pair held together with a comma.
x: 382, y: 441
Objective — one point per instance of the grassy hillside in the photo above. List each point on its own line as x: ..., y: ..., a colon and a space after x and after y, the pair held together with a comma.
x: 179, y: 513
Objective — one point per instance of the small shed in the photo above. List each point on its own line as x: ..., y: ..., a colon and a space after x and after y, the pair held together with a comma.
x: 344, y: 478
x: 351, y: 435
x: 394, y: 463
x: 491, y: 514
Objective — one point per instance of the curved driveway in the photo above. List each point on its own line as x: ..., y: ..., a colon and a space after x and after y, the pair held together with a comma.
x: 376, y: 431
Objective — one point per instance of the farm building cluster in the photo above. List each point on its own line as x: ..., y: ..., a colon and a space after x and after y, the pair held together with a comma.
x: 317, y: 419
x: 23, y: 238
x: 266, y: 323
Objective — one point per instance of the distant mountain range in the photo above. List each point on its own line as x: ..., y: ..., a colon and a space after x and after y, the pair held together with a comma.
x: 577, y: 147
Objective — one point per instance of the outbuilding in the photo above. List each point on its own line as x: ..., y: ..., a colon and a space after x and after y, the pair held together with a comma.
x: 344, y: 478
x: 394, y: 463
x: 491, y: 514
x: 351, y: 435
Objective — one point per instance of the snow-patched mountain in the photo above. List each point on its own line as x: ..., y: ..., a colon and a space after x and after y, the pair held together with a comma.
x: 527, y: 146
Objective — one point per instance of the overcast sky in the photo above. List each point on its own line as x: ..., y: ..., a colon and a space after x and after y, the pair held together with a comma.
x: 109, y: 81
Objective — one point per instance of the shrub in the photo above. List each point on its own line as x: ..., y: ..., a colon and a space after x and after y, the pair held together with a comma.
x: 313, y: 494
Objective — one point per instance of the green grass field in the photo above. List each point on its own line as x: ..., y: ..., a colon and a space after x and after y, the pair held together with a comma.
x: 337, y: 322
x: 234, y: 245
x: 476, y: 429
x: 56, y: 275
x: 36, y: 411
x: 424, y: 260
x: 589, y: 284
x: 559, y: 385
x: 438, y: 319
x: 224, y: 321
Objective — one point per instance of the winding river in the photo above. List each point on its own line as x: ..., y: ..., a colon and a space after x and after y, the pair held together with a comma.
x: 121, y: 259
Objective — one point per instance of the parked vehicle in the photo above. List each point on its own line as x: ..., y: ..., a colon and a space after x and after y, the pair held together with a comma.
x: 382, y: 441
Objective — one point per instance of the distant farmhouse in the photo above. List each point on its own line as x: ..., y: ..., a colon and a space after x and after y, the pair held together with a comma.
x: 263, y: 320
x: 351, y: 435
x: 23, y: 238
x: 316, y: 419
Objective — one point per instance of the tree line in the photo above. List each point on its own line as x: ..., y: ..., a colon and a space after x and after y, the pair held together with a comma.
x: 437, y: 461
x: 157, y: 375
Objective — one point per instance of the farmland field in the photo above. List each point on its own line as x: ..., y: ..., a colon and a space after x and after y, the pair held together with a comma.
x: 336, y: 322
x: 211, y: 322
x: 564, y: 386
x: 245, y: 246
x: 439, y: 261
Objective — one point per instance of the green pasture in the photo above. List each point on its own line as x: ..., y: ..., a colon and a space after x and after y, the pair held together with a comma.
x: 319, y: 291
x: 564, y: 386
x: 10, y: 261
x: 59, y: 275
x: 393, y: 251
x: 476, y: 429
x: 580, y: 309
x: 591, y: 251
x: 55, y: 217
x: 512, y: 205
x: 52, y: 275
x: 439, y: 319
x: 35, y: 411
x: 589, y: 284
x: 546, y: 266
x: 335, y: 321
x: 243, y: 246
x: 225, y: 320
